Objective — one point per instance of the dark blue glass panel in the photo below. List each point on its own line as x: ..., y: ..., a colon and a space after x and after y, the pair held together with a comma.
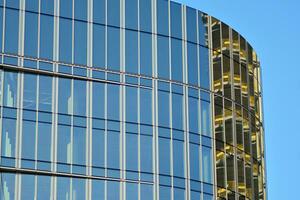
x: 131, y: 51
x: 193, y: 115
x: 64, y: 96
x: 164, y: 156
x: 28, y: 140
x: 65, y: 40
x: 98, y: 189
x: 27, y: 186
x: 64, y: 144
x: 46, y: 37
x: 145, y: 106
x: 204, y: 68
x: 98, y: 46
x: 1, y: 31
x: 195, y: 165
x: 163, y: 107
x: 113, y: 150
x: 176, y: 24
x: 44, y: 142
x: 113, y: 12
x: 13, y: 3
x: 176, y: 60
x: 131, y: 152
x: 113, y: 48
x: 29, y: 91
x: 162, y: 17
x: 80, y: 45
x: 163, y: 56
x: 45, y: 93
x: 99, y: 11
x: 66, y: 8
x: 191, y: 24
x: 146, y: 153
x: 131, y: 14
x: 192, y: 62
x: 178, y: 158
x: 47, y: 6
x: 11, y: 31
x: 79, y: 104
x: 145, y: 15
x: 80, y: 9
x: 98, y: 100
x: 43, y: 187
x: 113, y: 102
x: 177, y: 107
x: 32, y: 5
x: 79, y: 146
x: 98, y: 148
x: 131, y: 104
x: 146, y: 54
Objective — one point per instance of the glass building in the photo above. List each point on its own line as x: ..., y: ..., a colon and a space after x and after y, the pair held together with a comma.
x: 127, y: 99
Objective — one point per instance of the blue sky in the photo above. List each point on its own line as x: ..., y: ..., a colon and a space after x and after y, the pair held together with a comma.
x: 273, y: 29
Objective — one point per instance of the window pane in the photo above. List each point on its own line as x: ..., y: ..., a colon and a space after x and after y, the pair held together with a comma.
x: 99, y: 11
x: 191, y: 23
x: 113, y: 12
x: 13, y: 4
x: 98, y: 46
x: 31, y: 34
x: 176, y: 62
x: 113, y: 48
x: 145, y: 106
x: 29, y: 96
x: 195, y: 165
x: 178, y: 156
x: 132, y: 191
x: 163, y: 56
x: 131, y: 104
x: 78, y: 187
x: 28, y: 140
x: 66, y: 7
x: 162, y: 17
x: 8, y: 137
x: 192, y: 63
x: 47, y: 6
x: 205, y: 118
x: 97, y: 189
x: 113, y: 190
x: 113, y: 149
x: 146, y: 54
x: 64, y: 144
x: 44, y: 187
x: 163, y: 107
x: 79, y: 97
x: 8, y: 181
x: 64, y: 96
x: 207, y: 166
x: 146, y: 153
x: 44, y: 142
x: 63, y: 188
x: 131, y: 14
x: 164, y: 156
x: 177, y: 107
x: 46, y: 36
x: 202, y: 27
x: 80, y: 9
x: 80, y: 45
x: 145, y: 15
x: 131, y: 48
x: 179, y: 194
x: 176, y: 20
x: 164, y: 192
x: 10, y: 89
x: 27, y: 187
x: 193, y: 115
x: 11, y: 31
x: 98, y: 148
x: 98, y: 100
x: 45, y: 93
x: 1, y: 25
x: 113, y: 102
x: 131, y: 152
x: 146, y: 192
x: 65, y: 40
x: 204, y: 68
x: 79, y: 135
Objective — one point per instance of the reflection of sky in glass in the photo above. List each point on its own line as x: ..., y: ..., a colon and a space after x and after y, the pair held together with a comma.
x: 270, y: 26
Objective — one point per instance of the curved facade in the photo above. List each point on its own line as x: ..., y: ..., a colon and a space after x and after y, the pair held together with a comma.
x: 127, y: 99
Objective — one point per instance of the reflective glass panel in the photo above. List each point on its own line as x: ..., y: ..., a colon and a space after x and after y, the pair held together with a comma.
x: 162, y: 17
x: 8, y: 137
x: 45, y: 93
x: 131, y: 104
x: 64, y: 96
x: 192, y: 62
x: 204, y: 68
x: 98, y: 148
x: 98, y: 46
x: 146, y: 153
x: 27, y: 186
x: 193, y: 115
x: 164, y: 110
x: 31, y: 34
x: 44, y: 187
x: 145, y: 106
x: 145, y: 15
x: 195, y: 165
x: 146, y: 54
x: 28, y: 140
x: 99, y: 11
x: 191, y: 23
x: 47, y: 6
x: 80, y: 9
x: 80, y: 42
x: 207, y: 166
x: 66, y: 7
x: 8, y: 185
x: 98, y: 100
x: 177, y: 107
x: 132, y: 152
x: 65, y: 39
x: 205, y: 118
x: 44, y: 142
x: 11, y: 31
x: 29, y: 95
x: 131, y: 14
x: 131, y: 48
x: 10, y: 89
x: 64, y: 144
x: 146, y: 192
x: 78, y: 189
x: 132, y: 191
x: 113, y: 48
x: 46, y: 36
x: 113, y: 12
x: 113, y: 102
x: 63, y: 188
x: 163, y: 56
x: 164, y: 156
x: 79, y: 145
x: 113, y: 149
x: 176, y: 25
x: 176, y: 59
x: 178, y: 158
x: 97, y: 189
x: 79, y: 97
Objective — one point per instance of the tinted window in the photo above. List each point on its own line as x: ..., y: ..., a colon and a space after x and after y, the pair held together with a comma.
x: 79, y: 97
x: 204, y: 68
x: 176, y: 20
x: 191, y: 23
x: 176, y: 61
x: 66, y: 7
x: 131, y: 14
x: 163, y: 107
x: 98, y: 100
x: 164, y: 156
x: 45, y: 93
x: 46, y: 37
x: 98, y: 46
x: 99, y: 11
x: 80, y: 9
x: 131, y: 104
x: 113, y: 48
x: 47, y: 6
x: 113, y: 102
x: 113, y: 12
x: 65, y: 40
x: 80, y: 45
x: 32, y: 5
x: 31, y: 34
x: 163, y: 56
x: 145, y: 15
x: 162, y: 17
x: 146, y: 54
x: 10, y: 89
x: 131, y: 48
x: 8, y: 137
x: 11, y: 31
x: 192, y: 63
x: 29, y: 95
x: 64, y: 96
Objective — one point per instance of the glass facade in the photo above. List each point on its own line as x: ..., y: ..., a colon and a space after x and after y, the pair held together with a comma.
x: 127, y: 99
